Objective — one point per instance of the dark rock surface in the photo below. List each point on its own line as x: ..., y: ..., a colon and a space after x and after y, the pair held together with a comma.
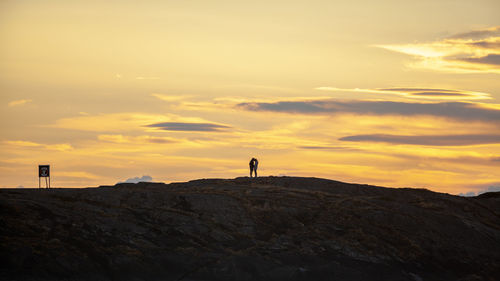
x: 272, y: 228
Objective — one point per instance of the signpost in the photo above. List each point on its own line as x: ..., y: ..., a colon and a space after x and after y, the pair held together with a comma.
x: 44, y: 172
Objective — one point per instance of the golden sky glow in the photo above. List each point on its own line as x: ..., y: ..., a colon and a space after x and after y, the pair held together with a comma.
x: 392, y: 93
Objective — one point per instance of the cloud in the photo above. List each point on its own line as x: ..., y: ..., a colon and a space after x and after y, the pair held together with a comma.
x: 60, y: 146
x: 318, y: 147
x: 38, y: 146
x: 189, y: 127
x: 171, y: 98
x: 19, y: 102
x: 468, y: 194
x: 437, y: 94
x: 21, y: 143
x: 137, y: 179
x: 493, y: 188
x: 486, y: 44
x: 492, y: 59
x: 474, y: 51
x: 153, y: 144
x: 108, y: 122
x: 121, y: 122
x: 77, y: 175
x: 452, y: 110
x: 477, y: 34
x: 137, y: 139
x: 417, y: 93
x: 432, y: 140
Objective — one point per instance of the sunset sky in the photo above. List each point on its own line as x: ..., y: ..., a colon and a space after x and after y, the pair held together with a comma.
x: 393, y: 93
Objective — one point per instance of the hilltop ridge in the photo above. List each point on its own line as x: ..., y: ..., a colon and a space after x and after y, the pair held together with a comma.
x: 268, y: 228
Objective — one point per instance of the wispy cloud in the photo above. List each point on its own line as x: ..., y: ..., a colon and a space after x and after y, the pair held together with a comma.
x: 109, y: 122
x: 60, y: 147
x: 417, y: 93
x: 77, y: 175
x: 30, y: 144
x: 229, y: 103
x: 135, y: 139
x: 452, y: 110
x: 474, y: 51
x: 190, y: 127
x: 492, y: 59
x: 118, y: 122
x: 479, y: 34
x: 153, y: 143
x: 171, y: 98
x: 326, y: 147
x: 432, y: 140
x: 21, y: 143
x: 19, y: 102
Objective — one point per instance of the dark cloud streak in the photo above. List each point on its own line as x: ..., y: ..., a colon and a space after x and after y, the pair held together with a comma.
x: 409, y: 90
x: 159, y: 140
x: 428, y: 92
x: 478, y: 34
x: 338, y: 148
x: 189, y: 127
x: 453, y: 110
x: 438, y: 94
x: 486, y: 44
x: 492, y: 59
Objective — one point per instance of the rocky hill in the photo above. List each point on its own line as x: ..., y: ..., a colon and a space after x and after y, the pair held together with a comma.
x: 270, y: 228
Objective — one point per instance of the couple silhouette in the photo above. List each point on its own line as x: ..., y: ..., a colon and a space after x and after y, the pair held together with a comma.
x: 254, y: 163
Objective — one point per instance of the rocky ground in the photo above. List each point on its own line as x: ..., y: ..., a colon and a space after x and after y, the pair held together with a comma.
x: 270, y: 228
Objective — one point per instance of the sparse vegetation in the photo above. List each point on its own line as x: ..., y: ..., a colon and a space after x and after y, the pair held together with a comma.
x: 274, y: 228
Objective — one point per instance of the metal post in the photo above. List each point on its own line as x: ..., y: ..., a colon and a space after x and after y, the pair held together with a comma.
x: 44, y: 172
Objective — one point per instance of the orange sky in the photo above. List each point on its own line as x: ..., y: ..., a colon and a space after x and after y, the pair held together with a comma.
x: 392, y: 93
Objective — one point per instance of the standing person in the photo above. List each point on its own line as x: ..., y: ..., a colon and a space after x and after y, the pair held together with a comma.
x: 251, y: 166
x: 255, y: 165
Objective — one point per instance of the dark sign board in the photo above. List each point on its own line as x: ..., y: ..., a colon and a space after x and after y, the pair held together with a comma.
x: 43, y: 171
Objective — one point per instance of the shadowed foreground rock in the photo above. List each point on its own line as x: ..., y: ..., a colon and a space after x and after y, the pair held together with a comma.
x: 273, y: 228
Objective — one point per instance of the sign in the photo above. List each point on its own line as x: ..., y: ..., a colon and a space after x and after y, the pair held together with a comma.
x: 43, y: 171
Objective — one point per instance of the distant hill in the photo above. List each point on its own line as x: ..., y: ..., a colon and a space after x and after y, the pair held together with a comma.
x: 268, y: 228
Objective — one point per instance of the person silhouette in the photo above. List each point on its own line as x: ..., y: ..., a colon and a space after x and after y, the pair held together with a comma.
x: 251, y: 164
x: 254, y: 163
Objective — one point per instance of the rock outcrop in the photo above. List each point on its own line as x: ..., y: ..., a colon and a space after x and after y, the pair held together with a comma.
x: 270, y: 228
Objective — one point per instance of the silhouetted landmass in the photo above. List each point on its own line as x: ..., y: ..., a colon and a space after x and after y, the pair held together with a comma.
x: 268, y: 228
